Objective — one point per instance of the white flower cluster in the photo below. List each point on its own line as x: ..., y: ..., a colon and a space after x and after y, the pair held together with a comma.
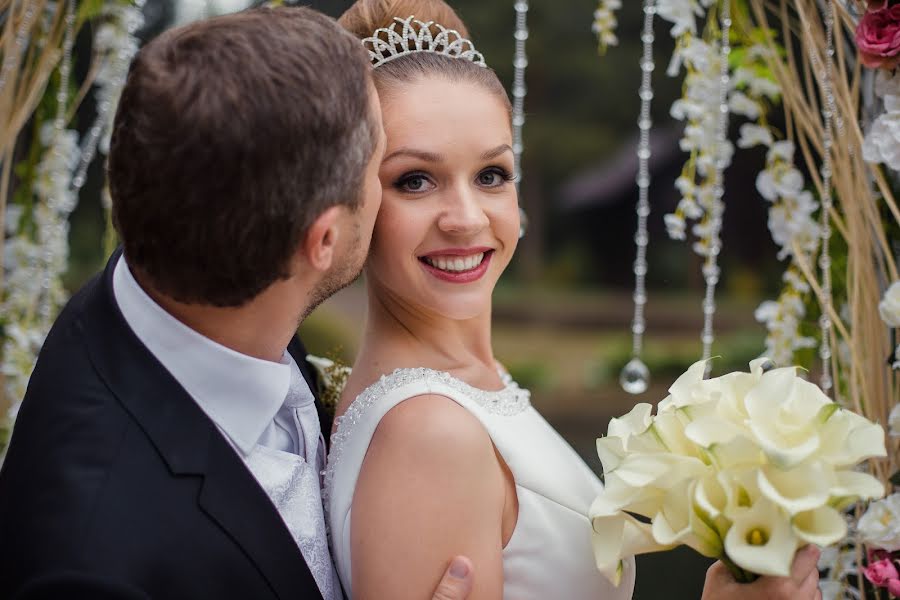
x: 889, y: 308
x: 699, y: 109
x: 882, y: 142
x: 783, y: 317
x: 879, y: 527
x: 34, y: 263
x: 683, y: 14
x: 116, y: 45
x: 605, y: 23
x: 35, y: 258
x: 751, y: 466
x: 791, y: 218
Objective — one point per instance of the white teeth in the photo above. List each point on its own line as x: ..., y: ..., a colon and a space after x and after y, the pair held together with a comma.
x: 454, y: 264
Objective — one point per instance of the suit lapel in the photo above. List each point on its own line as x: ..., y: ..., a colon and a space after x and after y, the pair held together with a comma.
x: 190, y: 443
x: 264, y: 538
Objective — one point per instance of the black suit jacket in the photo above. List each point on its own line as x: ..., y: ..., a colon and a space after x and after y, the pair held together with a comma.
x: 117, y: 485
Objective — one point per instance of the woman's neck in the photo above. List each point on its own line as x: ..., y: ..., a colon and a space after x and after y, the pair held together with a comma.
x: 398, y: 335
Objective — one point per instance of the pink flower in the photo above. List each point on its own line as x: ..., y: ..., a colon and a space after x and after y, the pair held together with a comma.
x: 893, y: 586
x: 878, y: 37
x: 881, y: 572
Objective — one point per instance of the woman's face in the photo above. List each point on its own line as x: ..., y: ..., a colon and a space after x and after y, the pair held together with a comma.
x: 449, y: 218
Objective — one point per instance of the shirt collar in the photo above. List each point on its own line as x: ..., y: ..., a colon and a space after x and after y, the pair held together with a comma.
x: 240, y: 393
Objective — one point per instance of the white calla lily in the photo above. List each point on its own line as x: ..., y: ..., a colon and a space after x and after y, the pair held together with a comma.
x: 747, y: 466
x: 782, y: 414
x: 691, y: 388
x: 822, y: 526
x: 634, y: 423
x: 856, y: 485
x: 679, y: 523
x: 762, y: 541
x: 803, y: 488
x: 848, y: 439
x: 712, y: 430
x: 618, y: 535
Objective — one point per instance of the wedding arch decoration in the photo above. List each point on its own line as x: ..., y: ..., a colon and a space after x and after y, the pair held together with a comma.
x: 45, y: 160
x: 816, y: 83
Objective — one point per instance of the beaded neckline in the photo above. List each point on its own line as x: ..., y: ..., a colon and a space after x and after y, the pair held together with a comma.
x: 509, y: 401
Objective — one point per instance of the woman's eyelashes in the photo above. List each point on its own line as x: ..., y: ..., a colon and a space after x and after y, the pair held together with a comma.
x: 419, y: 182
x: 495, y: 177
x: 414, y: 182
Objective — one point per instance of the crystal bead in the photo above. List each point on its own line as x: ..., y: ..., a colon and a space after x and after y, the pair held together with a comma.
x: 523, y: 223
x: 521, y: 7
x: 521, y: 35
x: 635, y: 377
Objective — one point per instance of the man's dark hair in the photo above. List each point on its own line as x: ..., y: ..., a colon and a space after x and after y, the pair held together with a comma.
x: 231, y: 137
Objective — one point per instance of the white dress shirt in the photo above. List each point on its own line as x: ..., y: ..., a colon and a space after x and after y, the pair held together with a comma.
x: 264, y: 409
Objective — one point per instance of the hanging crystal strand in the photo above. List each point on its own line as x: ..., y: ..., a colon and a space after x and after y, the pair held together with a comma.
x: 711, y: 269
x: 12, y: 59
x: 635, y: 377
x: 828, y: 115
x: 45, y: 305
x: 520, y: 61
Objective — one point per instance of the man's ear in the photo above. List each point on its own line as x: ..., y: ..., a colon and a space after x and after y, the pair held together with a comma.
x: 322, y: 238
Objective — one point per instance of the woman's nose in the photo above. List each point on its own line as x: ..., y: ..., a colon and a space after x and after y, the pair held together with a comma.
x: 463, y: 213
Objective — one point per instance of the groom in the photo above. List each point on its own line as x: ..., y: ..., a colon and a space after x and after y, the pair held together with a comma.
x: 170, y: 443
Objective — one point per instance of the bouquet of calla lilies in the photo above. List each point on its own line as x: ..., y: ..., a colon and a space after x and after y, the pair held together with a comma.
x: 746, y: 468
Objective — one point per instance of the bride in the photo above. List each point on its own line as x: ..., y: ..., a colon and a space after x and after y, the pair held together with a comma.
x: 436, y: 451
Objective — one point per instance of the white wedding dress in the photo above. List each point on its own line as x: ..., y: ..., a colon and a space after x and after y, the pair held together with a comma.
x: 549, y: 554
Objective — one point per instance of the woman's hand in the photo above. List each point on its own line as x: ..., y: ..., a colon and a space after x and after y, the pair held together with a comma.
x: 801, y: 584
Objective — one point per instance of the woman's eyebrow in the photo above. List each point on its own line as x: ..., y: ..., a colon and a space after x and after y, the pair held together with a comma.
x: 420, y: 154
x: 496, y: 152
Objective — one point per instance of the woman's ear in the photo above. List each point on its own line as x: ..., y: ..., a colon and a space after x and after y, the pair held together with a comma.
x: 322, y: 238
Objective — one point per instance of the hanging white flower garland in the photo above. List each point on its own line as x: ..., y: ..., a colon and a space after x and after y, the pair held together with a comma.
x: 35, y: 259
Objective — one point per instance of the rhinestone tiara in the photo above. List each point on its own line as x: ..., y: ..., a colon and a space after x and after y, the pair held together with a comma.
x: 387, y: 44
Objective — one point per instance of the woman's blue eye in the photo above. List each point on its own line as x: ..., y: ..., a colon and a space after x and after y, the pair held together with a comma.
x: 415, y: 183
x: 493, y: 178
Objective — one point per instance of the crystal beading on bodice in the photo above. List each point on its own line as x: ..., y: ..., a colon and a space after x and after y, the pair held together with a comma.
x: 510, y: 400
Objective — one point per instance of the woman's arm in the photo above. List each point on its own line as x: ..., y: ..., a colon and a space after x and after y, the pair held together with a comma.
x: 430, y: 488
